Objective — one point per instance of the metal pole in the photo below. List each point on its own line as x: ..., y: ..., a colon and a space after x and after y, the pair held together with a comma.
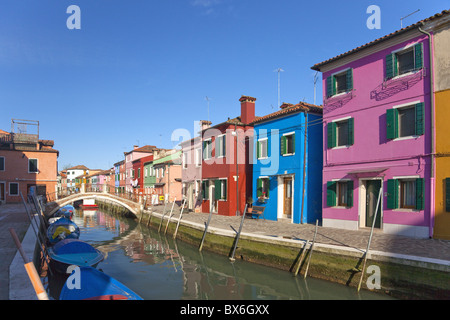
x: 239, y: 233
x: 370, y: 240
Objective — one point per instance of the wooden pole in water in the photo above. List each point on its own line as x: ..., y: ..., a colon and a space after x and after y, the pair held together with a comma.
x: 301, y: 258
x: 162, y: 217
x: 150, y: 215
x: 179, y: 219
x: 311, y: 250
x: 370, y: 240
x: 170, y: 215
x: 206, y: 230
x: 238, y: 234
x: 30, y: 268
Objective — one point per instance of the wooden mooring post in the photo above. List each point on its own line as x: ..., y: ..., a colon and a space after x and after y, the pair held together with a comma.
x: 311, y: 250
x: 238, y: 234
x: 204, y: 233
x: 179, y: 219
x: 170, y: 215
x: 301, y: 258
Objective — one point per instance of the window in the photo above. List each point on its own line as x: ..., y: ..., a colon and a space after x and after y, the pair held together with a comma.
x: 340, y: 83
x: 205, y: 190
x: 207, y: 149
x: 220, y: 146
x: 185, y: 161
x: 13, y: 189
x: 404, y: 61
x: 406, y: 193
x: 262, y: 148
x: 288, y: 144
x: 340, y: 133
x: 2, y: 163
x: 139, y: 172
x: 340, y: 193
x: 198, y: 157
x: 405, y: 121
x: 220, y: 189
x: 32, y: 165
x: 262, y: 187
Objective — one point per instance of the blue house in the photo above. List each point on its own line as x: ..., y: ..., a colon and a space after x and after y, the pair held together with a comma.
x: 287, y: 164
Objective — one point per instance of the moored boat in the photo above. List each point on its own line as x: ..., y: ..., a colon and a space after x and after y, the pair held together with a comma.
x: 62, y: 228
x: 66, y: 211
x: 73, y: 252
x: 96, y: 285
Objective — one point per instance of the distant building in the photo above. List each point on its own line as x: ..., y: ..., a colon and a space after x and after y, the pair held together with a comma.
x: 27, y: 163
x: 130, y: 156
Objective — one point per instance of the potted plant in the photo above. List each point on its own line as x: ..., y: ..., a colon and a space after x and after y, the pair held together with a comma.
x: 249, y: 204
x: 262, y: 198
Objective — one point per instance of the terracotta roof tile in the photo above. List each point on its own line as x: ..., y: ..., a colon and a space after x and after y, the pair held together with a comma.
x: 386, y: 37
x: 288, y: 108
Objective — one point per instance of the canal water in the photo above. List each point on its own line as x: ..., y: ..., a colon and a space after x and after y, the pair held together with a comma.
x: 159, y: 268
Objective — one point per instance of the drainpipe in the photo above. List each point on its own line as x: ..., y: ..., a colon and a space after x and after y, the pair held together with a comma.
x: 304, y: 167
x: 432, y: 178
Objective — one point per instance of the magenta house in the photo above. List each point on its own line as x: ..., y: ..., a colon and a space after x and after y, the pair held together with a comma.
x: 377, y: 136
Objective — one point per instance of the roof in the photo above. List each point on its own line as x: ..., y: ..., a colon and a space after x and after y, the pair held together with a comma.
x: 288, y: 108
x: 79, y: 167
x: 146, y: 148
x: 386, y: 37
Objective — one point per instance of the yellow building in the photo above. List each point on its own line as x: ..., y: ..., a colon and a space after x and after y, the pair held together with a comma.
x: 441, y: 60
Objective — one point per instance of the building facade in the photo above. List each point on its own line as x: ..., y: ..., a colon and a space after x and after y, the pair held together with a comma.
x: 377, y: 133
x: 287, y: 163
x: 227, y: 150
x: 27, y: 165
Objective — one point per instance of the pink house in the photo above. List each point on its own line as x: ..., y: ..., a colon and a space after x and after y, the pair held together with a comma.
x: 377, y: 136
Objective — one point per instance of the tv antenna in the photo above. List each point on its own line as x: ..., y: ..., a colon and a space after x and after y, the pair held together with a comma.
x: 401, y: 19
x: 278, y: 70
x: 315, y: 81
x: 208, y: 99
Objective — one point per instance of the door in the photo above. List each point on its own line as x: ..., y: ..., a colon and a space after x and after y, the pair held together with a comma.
x: 212, y: 199
x: 372, y: 190
x: 2, y: 192
x: 287, y: 210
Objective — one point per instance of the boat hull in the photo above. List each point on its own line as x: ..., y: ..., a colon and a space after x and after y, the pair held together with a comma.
x: 96, y: 285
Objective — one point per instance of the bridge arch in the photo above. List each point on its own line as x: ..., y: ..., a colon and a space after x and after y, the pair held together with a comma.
x: 131, y: 206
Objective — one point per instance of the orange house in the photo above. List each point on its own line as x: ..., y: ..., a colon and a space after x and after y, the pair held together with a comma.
x: 26, y: 164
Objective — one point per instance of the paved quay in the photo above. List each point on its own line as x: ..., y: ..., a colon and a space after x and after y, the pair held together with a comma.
x: 356, y: 239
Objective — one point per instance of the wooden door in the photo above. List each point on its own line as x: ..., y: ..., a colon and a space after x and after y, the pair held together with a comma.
x: 372, y: 190
x: 2, y: 191
x: 287, y: 211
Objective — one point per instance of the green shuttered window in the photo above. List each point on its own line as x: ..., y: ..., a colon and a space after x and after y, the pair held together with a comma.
x: 340, y: 193
x: 405, y: 121
x: 339, y: 83
x: 262, y: 187
x: 287, y: 144
x: 447, y: 194
x: 404, y: 61
x: 406, y: 194
x: 341, y: 133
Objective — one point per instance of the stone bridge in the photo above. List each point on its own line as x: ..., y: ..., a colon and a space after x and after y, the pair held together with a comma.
x: 132, y: 206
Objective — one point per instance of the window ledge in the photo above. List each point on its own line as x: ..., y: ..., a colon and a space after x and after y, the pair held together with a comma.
x: 288, y: 154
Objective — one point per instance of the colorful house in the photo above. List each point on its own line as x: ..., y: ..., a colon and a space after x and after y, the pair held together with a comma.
x: 438, y: 27
x: 117, y: 176
x: 192, y: 169
x: 168, y: 177
x: 377, y: 136
x: 287, y: 163
x: 136, y: 153
x: 27, y: 164
x: 226, y: 166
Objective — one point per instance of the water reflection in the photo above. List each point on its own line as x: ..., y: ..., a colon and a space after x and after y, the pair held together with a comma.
x: 157, y: 267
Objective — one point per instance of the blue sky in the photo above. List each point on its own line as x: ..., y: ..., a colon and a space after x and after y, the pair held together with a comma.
x: 138, y: 70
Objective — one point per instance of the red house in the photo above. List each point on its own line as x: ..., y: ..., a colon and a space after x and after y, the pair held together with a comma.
x: 227, y: 162
x: 137, y: 176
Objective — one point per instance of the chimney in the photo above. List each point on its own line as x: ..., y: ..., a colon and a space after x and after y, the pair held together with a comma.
x: 204, y: 124
x: 247, y: 109
x: 135, y: 147
x: 286, y: 105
